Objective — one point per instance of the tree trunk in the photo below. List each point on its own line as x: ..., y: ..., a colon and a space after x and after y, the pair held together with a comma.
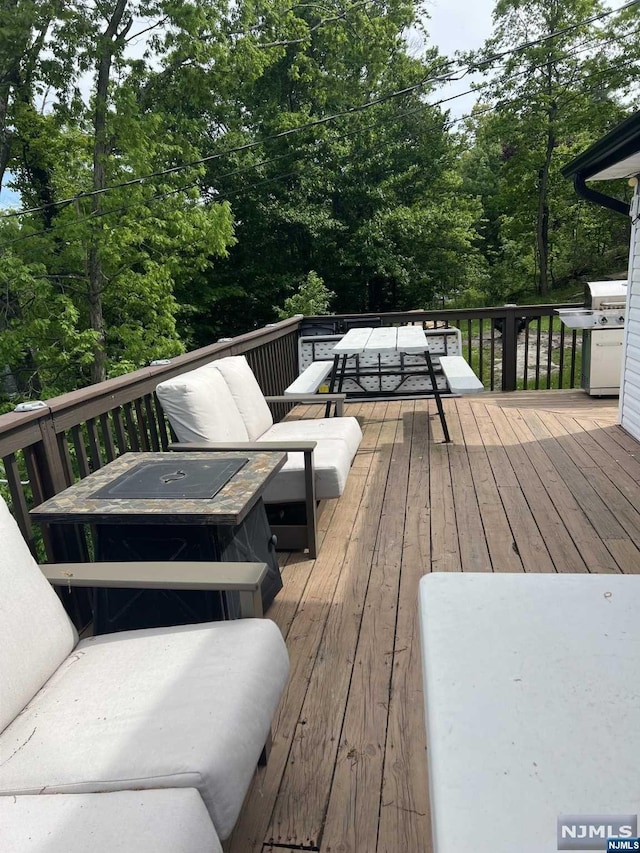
x: 542, y: 225
x: 5, y: 134
x: 108, y: 42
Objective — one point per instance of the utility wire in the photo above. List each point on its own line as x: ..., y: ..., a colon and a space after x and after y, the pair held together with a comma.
x: 275, y: 179
x: 526, y: 45
x: 440, y: 78
x: 160, y: 196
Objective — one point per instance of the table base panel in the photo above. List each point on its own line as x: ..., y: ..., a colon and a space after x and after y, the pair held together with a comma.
x: 123, y: 609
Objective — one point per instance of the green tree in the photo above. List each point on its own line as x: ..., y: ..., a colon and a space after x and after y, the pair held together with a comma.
x: 559, y: 84
x: 370, y: 199
x: 91, y: 287
x: 311, y: 298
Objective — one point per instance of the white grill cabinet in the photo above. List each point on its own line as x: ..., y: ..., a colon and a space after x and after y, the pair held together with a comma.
x: 602, y: 344
x: 602, y: 323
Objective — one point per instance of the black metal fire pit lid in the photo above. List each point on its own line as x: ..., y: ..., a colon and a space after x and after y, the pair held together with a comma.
x: 189, y: 478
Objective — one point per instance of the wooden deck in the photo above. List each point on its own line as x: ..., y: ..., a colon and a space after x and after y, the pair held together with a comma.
x: 534, y: 481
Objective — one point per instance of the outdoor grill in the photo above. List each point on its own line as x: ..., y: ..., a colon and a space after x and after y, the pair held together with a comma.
x: 602, y: 324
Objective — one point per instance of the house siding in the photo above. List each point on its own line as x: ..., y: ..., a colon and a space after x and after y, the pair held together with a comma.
x: 630, y: 385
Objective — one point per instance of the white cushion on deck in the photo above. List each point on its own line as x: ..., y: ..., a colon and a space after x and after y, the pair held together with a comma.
x: 30, y: 651
x: 331, y: 463
x: 239, y: 412
x: 247, y: 394
x: 156, y: 821
x: 201, y: 407
x: 318, y: 429
x: 338, y: 440
x: 197, y: 714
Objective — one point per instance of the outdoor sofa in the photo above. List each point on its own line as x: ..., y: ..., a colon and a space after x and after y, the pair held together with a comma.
x: 221, y: 406
x: 179, y: 707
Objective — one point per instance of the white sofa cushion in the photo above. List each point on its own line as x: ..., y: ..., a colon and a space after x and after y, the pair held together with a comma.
x: 35, y: 632
x: 155, y: 821
x: 158, y: 708
x: 331, y: 464
x: 318, y: 429
x: 247, y: 394
x: 200, y: 406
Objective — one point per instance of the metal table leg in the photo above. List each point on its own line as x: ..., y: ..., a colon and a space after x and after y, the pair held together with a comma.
x: 436, y: 394
x: 332, y: 385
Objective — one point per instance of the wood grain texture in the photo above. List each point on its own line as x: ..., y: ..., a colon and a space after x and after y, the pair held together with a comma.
x: 303, y: 640
x: 537, y: 481
x: 352, y: 815
x: 404, y: 802
x: 302, y: 801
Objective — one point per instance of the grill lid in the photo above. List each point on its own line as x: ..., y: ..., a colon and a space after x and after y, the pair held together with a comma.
x: 598, y: 291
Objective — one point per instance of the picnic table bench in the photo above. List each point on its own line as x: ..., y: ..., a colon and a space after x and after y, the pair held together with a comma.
x: 459, y: 375
x: 386, y: 361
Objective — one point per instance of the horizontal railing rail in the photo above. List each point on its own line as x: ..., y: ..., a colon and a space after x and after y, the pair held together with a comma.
x: 510, y: 347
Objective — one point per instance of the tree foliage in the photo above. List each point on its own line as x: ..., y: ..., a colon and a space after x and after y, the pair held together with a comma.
x: 367, y: 195
x: 311, y: 298
x: 559, y: 85
x: 195, y: 168
x: 91, y: 274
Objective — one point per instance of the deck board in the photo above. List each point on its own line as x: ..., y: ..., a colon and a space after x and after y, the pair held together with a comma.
x: 474, y: 553
x: 303, y: 642
x: 525, y: 501
x: 567, y: 503
x: 352, y: 816
x: 301, y: 806
x: 532, y: 481
x: 404, y: 803
x: 495, y: 522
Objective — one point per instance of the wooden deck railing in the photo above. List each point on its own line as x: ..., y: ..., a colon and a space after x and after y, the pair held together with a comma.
x: 46, y: 450
x: 510, y: 347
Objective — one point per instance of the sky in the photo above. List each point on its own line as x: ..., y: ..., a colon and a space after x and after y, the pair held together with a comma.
x: 453, y: 25
x: 459, y: 24
x: 456, y: 25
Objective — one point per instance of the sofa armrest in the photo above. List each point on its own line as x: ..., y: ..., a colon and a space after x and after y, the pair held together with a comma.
x: 245, y: 578
x: 312, y: 400
x: 290, y: 446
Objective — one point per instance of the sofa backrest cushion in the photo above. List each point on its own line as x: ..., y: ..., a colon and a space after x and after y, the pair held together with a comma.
x: 36, y: 634
x: 247, y: 394
x: 200, y: 406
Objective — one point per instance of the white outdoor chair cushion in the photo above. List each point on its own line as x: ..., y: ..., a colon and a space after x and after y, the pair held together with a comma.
x: 331, y: 463
x: 155, y: 821
x: 318, y: 429
x: 188, y: 706
x: 201, y: 407
x: 246, y: 393
x: 29, y: 652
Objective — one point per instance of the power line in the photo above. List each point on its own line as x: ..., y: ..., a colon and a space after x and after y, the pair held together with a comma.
x: 440, y: 78
x: 270, y: 180
x: 275, y: 179
x: 593, y: 19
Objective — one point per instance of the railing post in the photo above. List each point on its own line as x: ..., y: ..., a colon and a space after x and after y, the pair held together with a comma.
x: 62, y: 543
x: 50, y: 463
x: 509, y: 349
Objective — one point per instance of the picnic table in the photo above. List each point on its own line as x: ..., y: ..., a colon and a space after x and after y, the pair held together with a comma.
x: 397, y: 341
x: 385, y: 362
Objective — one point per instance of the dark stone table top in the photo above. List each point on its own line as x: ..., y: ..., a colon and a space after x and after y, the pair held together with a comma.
x: 78, y: 503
